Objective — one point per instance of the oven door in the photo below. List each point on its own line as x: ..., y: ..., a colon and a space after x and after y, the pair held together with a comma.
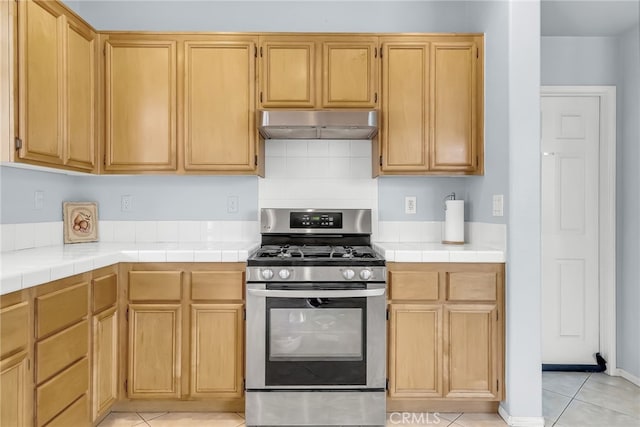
x: 316, y: 336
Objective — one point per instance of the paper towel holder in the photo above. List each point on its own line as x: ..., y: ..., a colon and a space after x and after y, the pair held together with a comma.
x: 453, y: 236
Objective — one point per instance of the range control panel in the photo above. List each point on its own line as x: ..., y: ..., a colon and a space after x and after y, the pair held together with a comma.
x: 315, y: 220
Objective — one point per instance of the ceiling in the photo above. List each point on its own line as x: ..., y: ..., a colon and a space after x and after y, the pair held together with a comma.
x: 588, y: 18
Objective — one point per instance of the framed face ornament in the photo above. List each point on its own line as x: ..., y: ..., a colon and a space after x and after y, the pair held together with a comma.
x: 80, y: 222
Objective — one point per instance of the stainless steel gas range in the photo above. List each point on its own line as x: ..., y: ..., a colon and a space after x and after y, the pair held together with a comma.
x: 316, y: 333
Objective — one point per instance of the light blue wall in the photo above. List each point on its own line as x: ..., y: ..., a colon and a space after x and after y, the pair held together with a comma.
x: 18, y: 186
x: 154, y: 197
x: 628, y: 204
x: 579, y: 60
x: 172, y: 197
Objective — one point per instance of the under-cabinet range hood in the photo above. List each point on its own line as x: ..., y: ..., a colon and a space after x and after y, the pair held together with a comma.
x: 318, y: 124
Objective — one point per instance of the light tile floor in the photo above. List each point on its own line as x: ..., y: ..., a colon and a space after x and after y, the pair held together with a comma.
x: 569, y: 399
x: 582, y: 399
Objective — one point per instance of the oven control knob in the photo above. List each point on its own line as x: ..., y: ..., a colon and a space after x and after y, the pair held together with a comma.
x: 348, y: 274
x: 365, y: 274
x: 267, y: 273
x: 284, y: 274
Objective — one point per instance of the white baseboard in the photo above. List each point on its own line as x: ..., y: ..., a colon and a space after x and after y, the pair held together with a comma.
x: 627, y: 376
x: 520, y: 421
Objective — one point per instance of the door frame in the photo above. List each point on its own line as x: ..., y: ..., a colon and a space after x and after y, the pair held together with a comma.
x: 606, y: 211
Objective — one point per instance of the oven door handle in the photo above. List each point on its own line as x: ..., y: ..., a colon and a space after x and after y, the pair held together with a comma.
x: 347, y: 293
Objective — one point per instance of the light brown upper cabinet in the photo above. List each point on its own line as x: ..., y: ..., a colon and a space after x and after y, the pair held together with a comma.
x: 288, y: 72
x: 219, y: 104
x: 349, y: 72
x: 313, y: 71
x: 57, y: 87
x: 432, y: 106
x: 140, y: 105
x: 404, y: 130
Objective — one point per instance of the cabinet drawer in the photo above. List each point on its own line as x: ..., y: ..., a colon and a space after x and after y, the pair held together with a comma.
x: 75, y: 415
x: 105, y: 290
x: 218, y: 285
x: 14, y: 328
x: 414, y: 285
x: 60, y: 350
x: 58, y: 309
x: 472, y: 287
x: 57, y: 393
x: 155, y: 285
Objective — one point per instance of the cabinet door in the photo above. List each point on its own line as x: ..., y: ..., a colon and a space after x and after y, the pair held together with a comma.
x: 41, y: 85
x: 140, y: 89
x: 453, y: 107
x: 14, y: 390
x: 415, y: 350
x: 288, y: 73
x: 472, y: 351
x: 216, y: 350
x: 349, y: 77
x: 154, y: 351
x: 80, y: 78
x: 105, y: 361
x: 405, y: 104
x: 219, y: 113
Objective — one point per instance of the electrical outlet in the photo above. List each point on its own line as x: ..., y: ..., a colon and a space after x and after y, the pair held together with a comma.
x: 498, y: 205
x: 126, y: 203
x: 38, y: 200
x: 232, y: 204
x: 410, y: 205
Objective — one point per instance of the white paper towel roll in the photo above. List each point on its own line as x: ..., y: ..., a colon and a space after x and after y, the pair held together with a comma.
x: 454, y: 222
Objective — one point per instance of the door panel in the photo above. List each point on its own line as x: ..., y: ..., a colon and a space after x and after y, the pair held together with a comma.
x: 140, y: 78
x: 405, y: 99
x: 216, y: 350
x: 41, y: 106
x: 80, y: 80
x: 471, y: 351
x: 219, y: 106
x: 154, y: 350
x: 453, y: 109
x: 288, y: 74
x: 105, y: 361
x: 348, y: 74
x: 570, y: 286
x: 415, y: 358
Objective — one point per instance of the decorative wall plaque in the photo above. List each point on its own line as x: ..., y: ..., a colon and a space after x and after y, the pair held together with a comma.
x: 80, y: 222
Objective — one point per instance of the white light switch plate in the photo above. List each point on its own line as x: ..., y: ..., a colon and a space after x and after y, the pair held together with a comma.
x: 498, y: 205
x: 410, y: 205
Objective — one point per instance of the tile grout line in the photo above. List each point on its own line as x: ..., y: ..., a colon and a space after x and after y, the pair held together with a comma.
x: 572, y: 399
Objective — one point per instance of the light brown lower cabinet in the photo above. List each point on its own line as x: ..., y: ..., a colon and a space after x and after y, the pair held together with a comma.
x: 105, y: 361
x: 446, y: 333
x: 154, y: 351
x: 14, y: 390
x: 185, y: 332
x: 217, y: 343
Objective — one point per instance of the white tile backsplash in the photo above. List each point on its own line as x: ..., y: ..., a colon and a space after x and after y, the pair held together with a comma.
x: 318, y: 148
x: 25, y: 236
x: 477, y: 233
x: 8, y: 237
x: 146, y: 231
x: 168, y: 231
x: 124, y: 231
x: 189, y: 231
x: 297, y: 148
x: 360, y: 148
x: 339, y: 148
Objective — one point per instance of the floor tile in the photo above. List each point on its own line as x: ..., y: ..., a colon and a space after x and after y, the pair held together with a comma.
x: 122, y: 419
x: 613, y: 393
x: 451, y: 416
x: 197, y: 419
x: 553, y: 404
x: 479, y: 420
x: 148, y: 416
x: 581, y: 414
x: 565, y: 383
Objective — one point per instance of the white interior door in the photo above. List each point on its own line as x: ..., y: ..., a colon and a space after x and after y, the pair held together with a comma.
x: 570, y: 176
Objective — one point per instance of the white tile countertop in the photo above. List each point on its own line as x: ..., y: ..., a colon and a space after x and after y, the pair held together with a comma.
x: 30, y: 267
x: 438, y: 252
